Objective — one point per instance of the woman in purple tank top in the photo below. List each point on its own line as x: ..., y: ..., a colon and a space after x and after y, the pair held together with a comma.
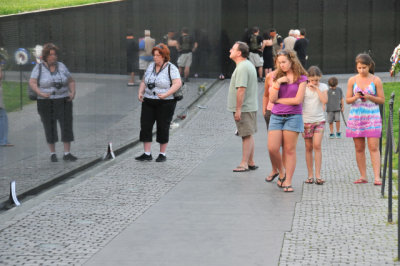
x: 286, y: 121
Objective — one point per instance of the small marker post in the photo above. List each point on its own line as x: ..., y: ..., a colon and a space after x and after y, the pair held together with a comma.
x: 13, y: 194
x: 109, y: 154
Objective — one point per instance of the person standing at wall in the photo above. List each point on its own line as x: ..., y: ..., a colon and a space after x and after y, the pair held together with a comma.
x: 255, y: 43
x: 187, y: 46
x: 173, y: 46
x: 301, y: 46
x: 146, y: 45
x: 132, y: 49
x: 289, y: 41
x: 156, y: 92
x: 268, y: 57
x: 243, y: 103
x: 365, y: 93
x: 3, y: 118
x: 277, y: 41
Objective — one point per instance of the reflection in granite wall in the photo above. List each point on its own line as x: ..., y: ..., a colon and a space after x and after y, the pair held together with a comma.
x: 92, y: 37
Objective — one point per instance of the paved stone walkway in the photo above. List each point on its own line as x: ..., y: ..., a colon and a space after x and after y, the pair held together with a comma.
x: 131, y: 213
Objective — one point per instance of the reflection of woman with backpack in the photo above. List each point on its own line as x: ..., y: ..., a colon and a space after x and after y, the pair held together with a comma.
x: 55, y: 89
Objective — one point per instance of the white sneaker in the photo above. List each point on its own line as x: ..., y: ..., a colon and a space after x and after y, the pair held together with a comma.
x: 174, y: 125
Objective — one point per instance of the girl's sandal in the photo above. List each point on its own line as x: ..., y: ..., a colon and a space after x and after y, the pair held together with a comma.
x: 319, y: 181
x: 281, y: 180
x: 309, y: 180
x: 286, y: 189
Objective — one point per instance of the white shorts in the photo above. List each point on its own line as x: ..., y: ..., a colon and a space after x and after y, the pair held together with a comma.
x: 143, y: 64
x: 185, y: 60
x: 256, y: 59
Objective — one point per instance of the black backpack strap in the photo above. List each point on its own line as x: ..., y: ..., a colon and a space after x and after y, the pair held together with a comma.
x: 169, y: 74
x: 40, y: 73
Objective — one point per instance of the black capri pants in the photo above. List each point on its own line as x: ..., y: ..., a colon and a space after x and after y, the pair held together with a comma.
x: 160, y: 111
x: 53, y: 110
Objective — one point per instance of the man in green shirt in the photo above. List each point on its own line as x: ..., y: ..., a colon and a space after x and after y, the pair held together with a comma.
x: 242, y: 101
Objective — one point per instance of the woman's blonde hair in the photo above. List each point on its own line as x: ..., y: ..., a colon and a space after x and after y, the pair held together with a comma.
x: 297, y: 68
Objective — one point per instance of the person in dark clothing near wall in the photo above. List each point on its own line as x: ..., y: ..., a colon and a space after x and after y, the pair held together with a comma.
x: 187, y: 46
x: 132, y: 50
x: 300, y: 47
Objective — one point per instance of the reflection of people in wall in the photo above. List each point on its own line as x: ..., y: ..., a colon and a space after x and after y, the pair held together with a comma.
x: 146, y: 45
x: 187, y: 46
x: 203, y: 52
x: 173, y: 46
x: 132, y: 49
x: 55, y: 93
x: 3, y: 118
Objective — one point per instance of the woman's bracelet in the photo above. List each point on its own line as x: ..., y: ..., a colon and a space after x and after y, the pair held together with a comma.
x: 275, y: 88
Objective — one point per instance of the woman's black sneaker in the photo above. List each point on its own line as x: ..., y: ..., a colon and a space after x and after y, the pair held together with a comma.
x: 53, y: 158
x: 144, y: 157
x: 161, y: 158
x: 69, y: 157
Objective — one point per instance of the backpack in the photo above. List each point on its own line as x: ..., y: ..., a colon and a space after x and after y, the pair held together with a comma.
x: 31, y: 93
x: 178, y: 95
x: 186, y: 43
x: 254, y: 45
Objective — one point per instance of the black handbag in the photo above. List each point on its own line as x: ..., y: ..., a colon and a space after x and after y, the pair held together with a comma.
x: 31, y: 93
x: 178, y: 95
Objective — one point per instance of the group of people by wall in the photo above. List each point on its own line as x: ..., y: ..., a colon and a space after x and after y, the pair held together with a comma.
x: 294, y: 102
x: 181, y: 49
x: 263, y: 49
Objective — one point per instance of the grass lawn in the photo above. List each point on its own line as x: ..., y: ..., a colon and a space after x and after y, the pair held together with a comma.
x: 11, y: 95
x: 8, y: 7
x: 389, y: 88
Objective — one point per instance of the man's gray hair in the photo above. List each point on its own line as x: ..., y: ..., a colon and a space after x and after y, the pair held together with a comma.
x: 243, y: 48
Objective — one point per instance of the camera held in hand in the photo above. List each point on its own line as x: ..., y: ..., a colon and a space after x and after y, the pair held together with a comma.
x: 151, y: 85
x: 57, y: 85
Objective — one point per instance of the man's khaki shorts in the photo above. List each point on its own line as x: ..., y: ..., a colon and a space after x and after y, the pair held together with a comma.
x: 256, y: 59
x: 185, y: 60
x: 247, y: 125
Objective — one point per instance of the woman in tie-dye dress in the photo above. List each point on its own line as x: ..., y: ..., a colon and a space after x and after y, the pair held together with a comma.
x: 365, y: 93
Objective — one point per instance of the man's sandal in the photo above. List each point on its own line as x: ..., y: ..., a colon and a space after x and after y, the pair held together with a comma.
x: 309, y: 180
x: 319, y: 181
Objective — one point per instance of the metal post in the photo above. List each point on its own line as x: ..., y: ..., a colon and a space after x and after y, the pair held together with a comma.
x: 389, y: 140
x: 398, y: 189
x: 385, y: 162
x: 20, y: 86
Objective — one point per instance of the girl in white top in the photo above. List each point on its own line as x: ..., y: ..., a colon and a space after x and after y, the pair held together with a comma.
x: 314, y: 121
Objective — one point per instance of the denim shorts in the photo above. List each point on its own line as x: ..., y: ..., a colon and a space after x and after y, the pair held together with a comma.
x: 290, y: 122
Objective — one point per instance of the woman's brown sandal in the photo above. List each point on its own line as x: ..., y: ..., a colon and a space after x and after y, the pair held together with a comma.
x: 309, y: 180
x: 319, y: 181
